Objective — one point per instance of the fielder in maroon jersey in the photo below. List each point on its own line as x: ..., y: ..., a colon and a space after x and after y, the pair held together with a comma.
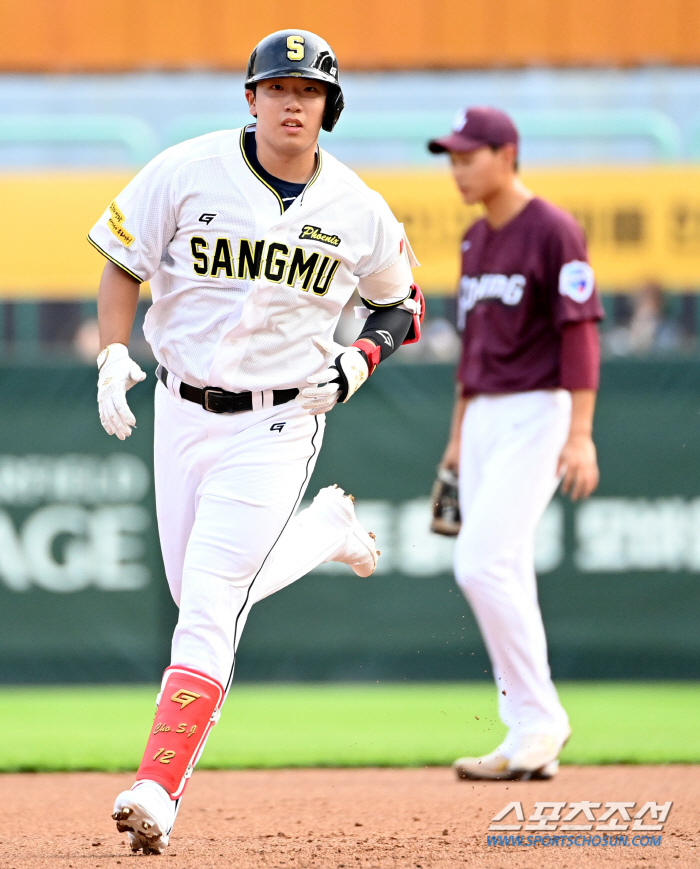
x: 523, y: 422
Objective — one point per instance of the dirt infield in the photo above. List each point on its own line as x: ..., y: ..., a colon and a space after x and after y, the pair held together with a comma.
x: 338, y: 819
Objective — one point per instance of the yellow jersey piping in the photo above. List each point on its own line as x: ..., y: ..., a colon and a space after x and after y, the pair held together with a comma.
x: 370, y: 304
x: 269, y: 187
x: 116, y: 262
x: 316, y: 173
x: 259, y: 177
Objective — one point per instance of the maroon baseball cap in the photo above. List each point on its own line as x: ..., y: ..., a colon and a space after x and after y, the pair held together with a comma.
x: 476, y: 127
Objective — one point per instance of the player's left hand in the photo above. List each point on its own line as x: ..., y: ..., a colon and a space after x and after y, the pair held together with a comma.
x: 345, y: 371
x: 579, y: 465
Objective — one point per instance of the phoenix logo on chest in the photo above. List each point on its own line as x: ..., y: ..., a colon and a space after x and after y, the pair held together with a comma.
x: 314, y: 233
x: 276, y: 262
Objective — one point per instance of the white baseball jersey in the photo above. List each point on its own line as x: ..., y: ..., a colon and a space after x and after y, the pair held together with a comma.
x: 236, y: 280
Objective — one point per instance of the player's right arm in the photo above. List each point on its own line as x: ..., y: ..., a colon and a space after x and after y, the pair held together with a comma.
x: 132, y: 233
x: 117, y: 299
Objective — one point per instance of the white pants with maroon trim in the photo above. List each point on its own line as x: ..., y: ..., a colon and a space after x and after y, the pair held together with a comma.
x: 508, y: 460
x: 227, y: 487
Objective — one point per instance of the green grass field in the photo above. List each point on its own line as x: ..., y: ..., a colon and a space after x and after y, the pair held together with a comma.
x: 104, y: 728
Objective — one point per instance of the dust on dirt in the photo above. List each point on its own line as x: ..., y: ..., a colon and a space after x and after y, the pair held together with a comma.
x: 340, y: 819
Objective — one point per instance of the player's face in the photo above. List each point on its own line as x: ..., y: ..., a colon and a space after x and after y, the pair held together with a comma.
x: 289, y: 112
x: 481, y: 173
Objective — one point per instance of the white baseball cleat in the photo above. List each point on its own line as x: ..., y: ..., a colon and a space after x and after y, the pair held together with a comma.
x: 357, y: 548
x: 535, y: 757
x: 147, y: 814
x: 535, y: 754
x: 492, y: 766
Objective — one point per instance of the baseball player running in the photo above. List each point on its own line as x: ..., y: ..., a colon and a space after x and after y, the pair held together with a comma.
x: 253, y: 241
x: 522, y: 422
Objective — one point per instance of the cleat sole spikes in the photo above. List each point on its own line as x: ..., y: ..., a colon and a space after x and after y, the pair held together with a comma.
x: 146, y: 829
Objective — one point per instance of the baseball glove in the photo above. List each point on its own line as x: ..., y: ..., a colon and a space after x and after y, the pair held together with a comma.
x: 446, y: 518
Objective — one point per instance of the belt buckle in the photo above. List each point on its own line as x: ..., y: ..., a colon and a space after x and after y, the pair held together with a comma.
x: 214, y: 391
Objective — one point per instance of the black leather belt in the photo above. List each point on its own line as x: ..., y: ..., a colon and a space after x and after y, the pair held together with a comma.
x: 217, y: 400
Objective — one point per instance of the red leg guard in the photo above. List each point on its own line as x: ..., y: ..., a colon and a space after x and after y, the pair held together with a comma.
x: 188, y: 709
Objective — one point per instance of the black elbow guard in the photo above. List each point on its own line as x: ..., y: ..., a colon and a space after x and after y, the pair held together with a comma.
x: 388, y: 329
x: 414, y: 306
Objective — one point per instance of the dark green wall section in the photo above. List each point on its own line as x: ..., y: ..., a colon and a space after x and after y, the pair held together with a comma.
x: 83, y: 597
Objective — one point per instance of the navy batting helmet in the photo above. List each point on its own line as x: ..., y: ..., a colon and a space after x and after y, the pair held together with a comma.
x: 303, y: 54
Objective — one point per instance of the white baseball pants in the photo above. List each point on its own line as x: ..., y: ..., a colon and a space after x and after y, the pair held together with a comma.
x: 227, y: 487
x: 508, y: 462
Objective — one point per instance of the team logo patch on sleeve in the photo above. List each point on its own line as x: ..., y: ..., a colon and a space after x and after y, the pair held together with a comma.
x: 576, y: 280
x: 314, y: 233
x: 115, y: 225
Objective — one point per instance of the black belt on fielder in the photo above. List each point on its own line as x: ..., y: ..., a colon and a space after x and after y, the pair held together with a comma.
x: 217, y: 400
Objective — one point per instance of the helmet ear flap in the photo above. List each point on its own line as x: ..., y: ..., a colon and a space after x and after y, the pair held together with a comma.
x: 251, y: 64
x: 334, y: 106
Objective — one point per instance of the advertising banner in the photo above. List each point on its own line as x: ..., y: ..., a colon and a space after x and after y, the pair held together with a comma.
x: 83, y: 597
x: 642, y: 224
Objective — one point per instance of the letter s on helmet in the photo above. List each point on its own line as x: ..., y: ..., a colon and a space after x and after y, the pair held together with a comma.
x: 302, y: 54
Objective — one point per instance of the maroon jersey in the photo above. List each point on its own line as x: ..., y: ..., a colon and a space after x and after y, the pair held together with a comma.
x: 520, y: 285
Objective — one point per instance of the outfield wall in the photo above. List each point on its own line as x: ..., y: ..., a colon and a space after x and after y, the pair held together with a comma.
x: 83, y: 598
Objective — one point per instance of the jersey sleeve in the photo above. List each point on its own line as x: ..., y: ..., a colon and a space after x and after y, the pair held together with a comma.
x: 385, y: 276
x: 580, y: 356
x: 570, y: 276
x: 386, y: 244
x: 137, y: 226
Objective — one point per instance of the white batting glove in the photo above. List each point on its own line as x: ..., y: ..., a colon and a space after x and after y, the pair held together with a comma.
x: 345, y: 372
x: 117, y: 374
